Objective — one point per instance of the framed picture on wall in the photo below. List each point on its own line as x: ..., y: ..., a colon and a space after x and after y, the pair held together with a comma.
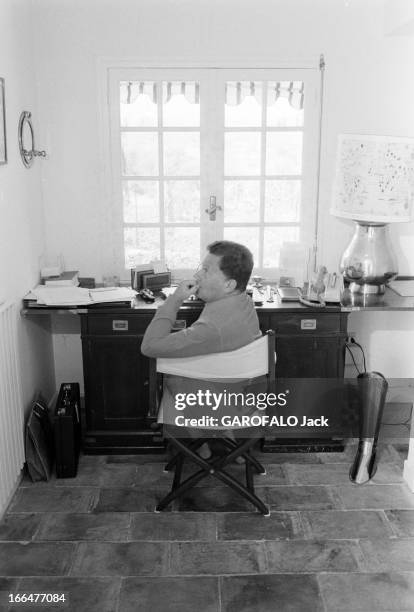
x: 3, y: 147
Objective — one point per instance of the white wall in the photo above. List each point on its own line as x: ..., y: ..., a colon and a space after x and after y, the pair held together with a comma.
x: 399, y: 17
x: 22, y: 239
x: 369, y: 89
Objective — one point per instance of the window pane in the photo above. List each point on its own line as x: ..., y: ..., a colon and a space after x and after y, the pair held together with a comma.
x: 181, y: 106
x: 273, y: 240
x: 282, y: 114
x: 137, y: 108
x: 242, y: 154
x: 284, y: 153
x: 139, y: 153
x: 141, y: 202
x: 243, y: 106
x: 241, y: 201
x: 182, y: 247
x: 282, y: 201
x: 182, y: 153
x: 141, y: 245
x: 249, y: 236
x: 182, y: 201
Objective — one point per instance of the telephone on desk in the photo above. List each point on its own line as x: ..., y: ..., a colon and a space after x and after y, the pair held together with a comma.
x: 147, y: 295
x: 323, y: 289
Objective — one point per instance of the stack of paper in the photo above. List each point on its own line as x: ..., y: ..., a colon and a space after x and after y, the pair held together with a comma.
x: 77, y: 296
x: 61, y: 296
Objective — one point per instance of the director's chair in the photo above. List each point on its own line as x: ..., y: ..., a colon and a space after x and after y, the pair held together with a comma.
x: 250, y: 367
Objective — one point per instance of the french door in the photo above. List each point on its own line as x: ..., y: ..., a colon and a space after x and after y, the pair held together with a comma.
x: 203, y: 154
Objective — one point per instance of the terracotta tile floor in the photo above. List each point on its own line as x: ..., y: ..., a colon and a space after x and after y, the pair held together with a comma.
x: 328, y: 545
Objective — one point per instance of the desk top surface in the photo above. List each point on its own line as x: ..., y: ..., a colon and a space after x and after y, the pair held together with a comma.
x: 390, y: 301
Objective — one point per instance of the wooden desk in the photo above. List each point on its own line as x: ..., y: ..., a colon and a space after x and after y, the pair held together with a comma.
x: 310, y: 344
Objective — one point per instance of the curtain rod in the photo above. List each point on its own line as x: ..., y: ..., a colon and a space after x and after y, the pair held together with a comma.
x: 318, y: 170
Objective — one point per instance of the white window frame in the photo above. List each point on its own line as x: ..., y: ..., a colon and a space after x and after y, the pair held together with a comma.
x: 114, y: 71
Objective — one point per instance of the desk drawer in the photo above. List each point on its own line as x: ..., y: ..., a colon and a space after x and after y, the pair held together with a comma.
x: 118, y: 324
x: 306, y: 323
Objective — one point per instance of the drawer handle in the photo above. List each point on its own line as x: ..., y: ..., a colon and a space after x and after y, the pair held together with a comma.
x: 308, y: 323
x: 119, y: 325
x: 179, y: 324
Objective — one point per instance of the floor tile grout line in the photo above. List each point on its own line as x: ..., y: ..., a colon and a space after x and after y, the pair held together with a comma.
x: 245, y: 541
x: 129, y: 527
x: 266, y: 557
x: 362, y: 562
x: 74, y: 556
x: 156, y: 576
x: 219, y: 589
x: 321, y: 593
x: 118, y: 598
x: 388, y: 524
x: 305, y: 526
x: 169, y: 558
x: 40, y: 528
x: 365, y: 572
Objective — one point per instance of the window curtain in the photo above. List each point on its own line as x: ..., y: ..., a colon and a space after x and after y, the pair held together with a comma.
x: 235, y: 91
x: 293, y: 91
x: 130, y: 90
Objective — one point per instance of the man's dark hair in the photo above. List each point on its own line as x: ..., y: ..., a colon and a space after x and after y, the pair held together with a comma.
x: 236, y: 261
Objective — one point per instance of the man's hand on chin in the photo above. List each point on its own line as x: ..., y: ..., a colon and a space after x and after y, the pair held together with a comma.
x: 184, y: 290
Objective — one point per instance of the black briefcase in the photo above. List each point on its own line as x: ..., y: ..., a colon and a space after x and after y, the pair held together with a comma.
x: 67, y: 430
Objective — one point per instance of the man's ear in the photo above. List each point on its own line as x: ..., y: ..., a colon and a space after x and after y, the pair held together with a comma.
x: 231, y: 284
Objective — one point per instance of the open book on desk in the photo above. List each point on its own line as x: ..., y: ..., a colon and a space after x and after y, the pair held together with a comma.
x: 78, y: 296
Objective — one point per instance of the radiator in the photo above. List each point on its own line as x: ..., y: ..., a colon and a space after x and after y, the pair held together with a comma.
x: 11, y: 408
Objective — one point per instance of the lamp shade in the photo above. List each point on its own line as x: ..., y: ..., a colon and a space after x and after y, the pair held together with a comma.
x: 374, y: 178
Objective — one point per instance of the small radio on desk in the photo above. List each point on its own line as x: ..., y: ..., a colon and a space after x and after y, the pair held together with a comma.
x: 147, y: 279
x: 155, y: 282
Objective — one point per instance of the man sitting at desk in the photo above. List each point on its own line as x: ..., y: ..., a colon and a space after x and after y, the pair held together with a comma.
x: 228, y: 320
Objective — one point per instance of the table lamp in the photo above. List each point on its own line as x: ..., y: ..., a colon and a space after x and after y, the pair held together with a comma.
x: 373, y: 186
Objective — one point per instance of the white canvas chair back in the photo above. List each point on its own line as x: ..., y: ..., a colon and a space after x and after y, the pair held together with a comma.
x: 248, y: 361
x: 244, y: 365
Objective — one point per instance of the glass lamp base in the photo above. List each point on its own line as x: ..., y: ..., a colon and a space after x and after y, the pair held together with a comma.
x: 367, y: 289
x: 369, y: 263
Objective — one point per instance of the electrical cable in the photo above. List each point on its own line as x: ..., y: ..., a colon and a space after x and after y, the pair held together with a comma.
x: 353, y: 341
x: 407, y: 422
x: 353, y: 359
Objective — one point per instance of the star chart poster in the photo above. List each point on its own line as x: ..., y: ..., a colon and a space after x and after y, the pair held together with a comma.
x: 374, y: 179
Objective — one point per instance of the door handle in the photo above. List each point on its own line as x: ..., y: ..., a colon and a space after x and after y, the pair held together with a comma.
x: 211, y: 211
